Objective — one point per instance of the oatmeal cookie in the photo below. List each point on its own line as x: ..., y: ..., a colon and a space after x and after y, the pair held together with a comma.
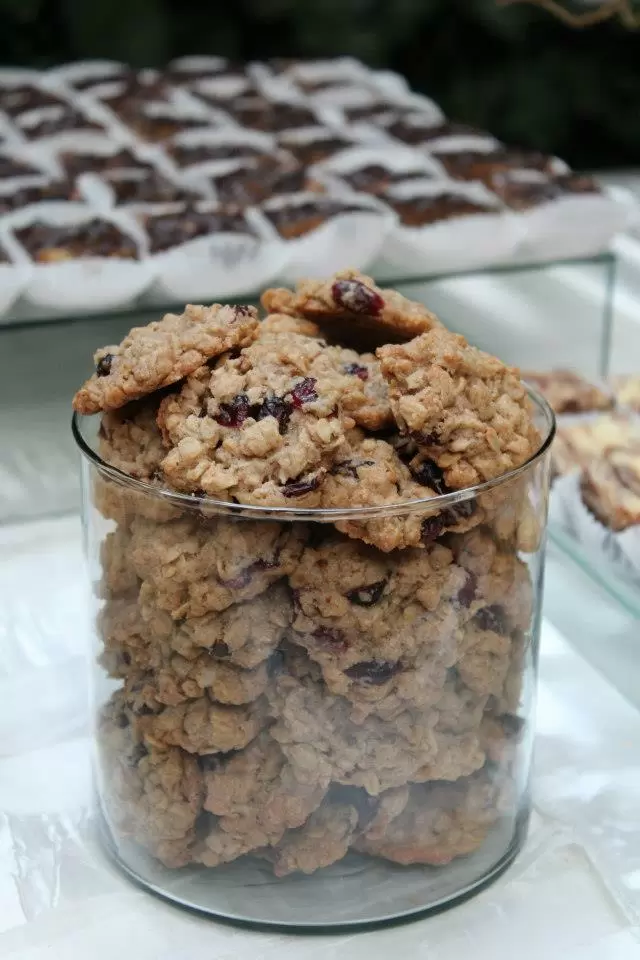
x: 322, y: 742
x: 287, y: 323
x: 256, y: 797
x: 153, y: 796
x: 322, y: 840
x: 439, y: 823
x: 371, y: 473
x: 261, y: 429
x: 163, y: 353
x: 364, y: 394
x: 353, y: 310
x: 176, y: 679
x: 203, y: 726
x: 118, y: 573
x: 384, y: 629
x: 197, y: 566
x: 465, y: 410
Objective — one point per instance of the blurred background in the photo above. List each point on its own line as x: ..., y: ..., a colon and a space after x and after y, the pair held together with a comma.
x: 513, y: 69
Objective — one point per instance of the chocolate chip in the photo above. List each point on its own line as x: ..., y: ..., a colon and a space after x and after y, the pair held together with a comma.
x: 374, y: 672
x: 103, y: 366
x: 355, y: 297
x: 493, y: 617
x: 367, y: 596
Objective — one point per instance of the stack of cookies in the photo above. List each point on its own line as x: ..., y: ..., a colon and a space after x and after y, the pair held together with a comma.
x: 295, y: 677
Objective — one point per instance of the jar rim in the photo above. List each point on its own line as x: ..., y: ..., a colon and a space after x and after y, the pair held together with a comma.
x: 329, y: 514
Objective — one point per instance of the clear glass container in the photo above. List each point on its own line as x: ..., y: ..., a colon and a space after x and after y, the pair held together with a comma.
x: 296, y: 729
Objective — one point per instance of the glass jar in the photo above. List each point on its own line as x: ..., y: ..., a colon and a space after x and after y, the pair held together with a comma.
x: 294, y: 728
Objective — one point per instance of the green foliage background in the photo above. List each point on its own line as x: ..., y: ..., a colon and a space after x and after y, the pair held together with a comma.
x: 515, y: 70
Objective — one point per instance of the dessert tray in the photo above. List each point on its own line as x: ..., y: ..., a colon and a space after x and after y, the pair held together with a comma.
x: 210, y: 179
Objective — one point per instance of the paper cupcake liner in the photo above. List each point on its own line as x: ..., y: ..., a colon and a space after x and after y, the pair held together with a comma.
x: 354, y: 238
x: 568, y: 511
x: 219, y: 265
x: 69, y: 74
x: 571, y: 226
x: 470, y: 241
x: 14, y: 276
x: 86, y: 283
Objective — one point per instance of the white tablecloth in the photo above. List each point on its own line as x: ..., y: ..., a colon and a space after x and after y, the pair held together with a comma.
x: 574, y: 893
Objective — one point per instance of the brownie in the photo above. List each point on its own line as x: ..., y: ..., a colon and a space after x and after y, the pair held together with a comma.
x: 375, y: 179
x: 425, y: 131
x: 59, y: 120
x: 378, y: 110
x: 522, y: 195
x: 484, y: 165
x: 76, y: 163
x: 172, y: 229
x: 10, y: 167
x: 295, y: 180
x: 422, y: 210
x: 20, y: 99
x: 249, y: 184
x: 137, y: 87
x: 272, y: 117
x: 568, y: 392
x: 187, y: 154
x: 157, y: 127
x: 95, y: 238
x: 297, y: 219
x: 611, y: 488
x: 314, y: 151
x: 63, y: 190
x: 149, y: 188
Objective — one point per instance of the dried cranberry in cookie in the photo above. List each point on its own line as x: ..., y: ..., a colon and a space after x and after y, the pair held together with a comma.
x: 262, y: 428
x: 464, y: 409
x: 351, y: 308
x: 197, y: 566
x: 321, y: 741
x: 162, y: 353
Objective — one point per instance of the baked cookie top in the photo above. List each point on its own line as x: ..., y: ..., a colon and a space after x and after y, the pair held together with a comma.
x: 351, y: 308
x: 162, y: 353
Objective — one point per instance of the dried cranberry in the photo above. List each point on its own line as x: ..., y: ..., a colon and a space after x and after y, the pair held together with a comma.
x: 356, y: 297
x: 512, y: 725
x: 122, y: 720
x: 428, y: 474
x: 239, y: 582
x: 493, y: 617
x: 467, y: 593
x: 426, y: 439
x: 304, y: 392
x: 357, y: 370
x: 298, y: 488
x: 103, y: 366
x: 349, y: 468
x: 235, y: 413
x: 461, y: 511
x: 126, y: 659
x: 431, y: 529
x: 219, y: 650
x: 331, y: 636
x: 274, y: 407
x: 367, y: 596
x: 242, y: 311
x: 374, y: 672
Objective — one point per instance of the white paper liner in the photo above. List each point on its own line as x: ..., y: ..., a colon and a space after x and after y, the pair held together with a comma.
x: 574, y: 225
x: 231, y: 136
x: 568, y: 510
x: 14, y: 276
x: 394, y: 157
x: 219, y: 265
x: 97, y: 190
x: 221, y: 89
x: 459, y: 243
x: 197, y: 63
x: 71, y: 73
x: 354, y: 238
x: 7, y: 187
x: 87, y: 283
x: 289, y: 139
x: 148, y: 154
x: 65, y: 139
x: 44, y: 166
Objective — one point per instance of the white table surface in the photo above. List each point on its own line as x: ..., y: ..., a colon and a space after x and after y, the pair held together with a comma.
x: 574, y: 893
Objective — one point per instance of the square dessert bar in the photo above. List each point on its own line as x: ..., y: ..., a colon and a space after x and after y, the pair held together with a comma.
x: 568, y: 392
x: 611, y: 488
x: 46, y: 243
x: 169, y: 230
